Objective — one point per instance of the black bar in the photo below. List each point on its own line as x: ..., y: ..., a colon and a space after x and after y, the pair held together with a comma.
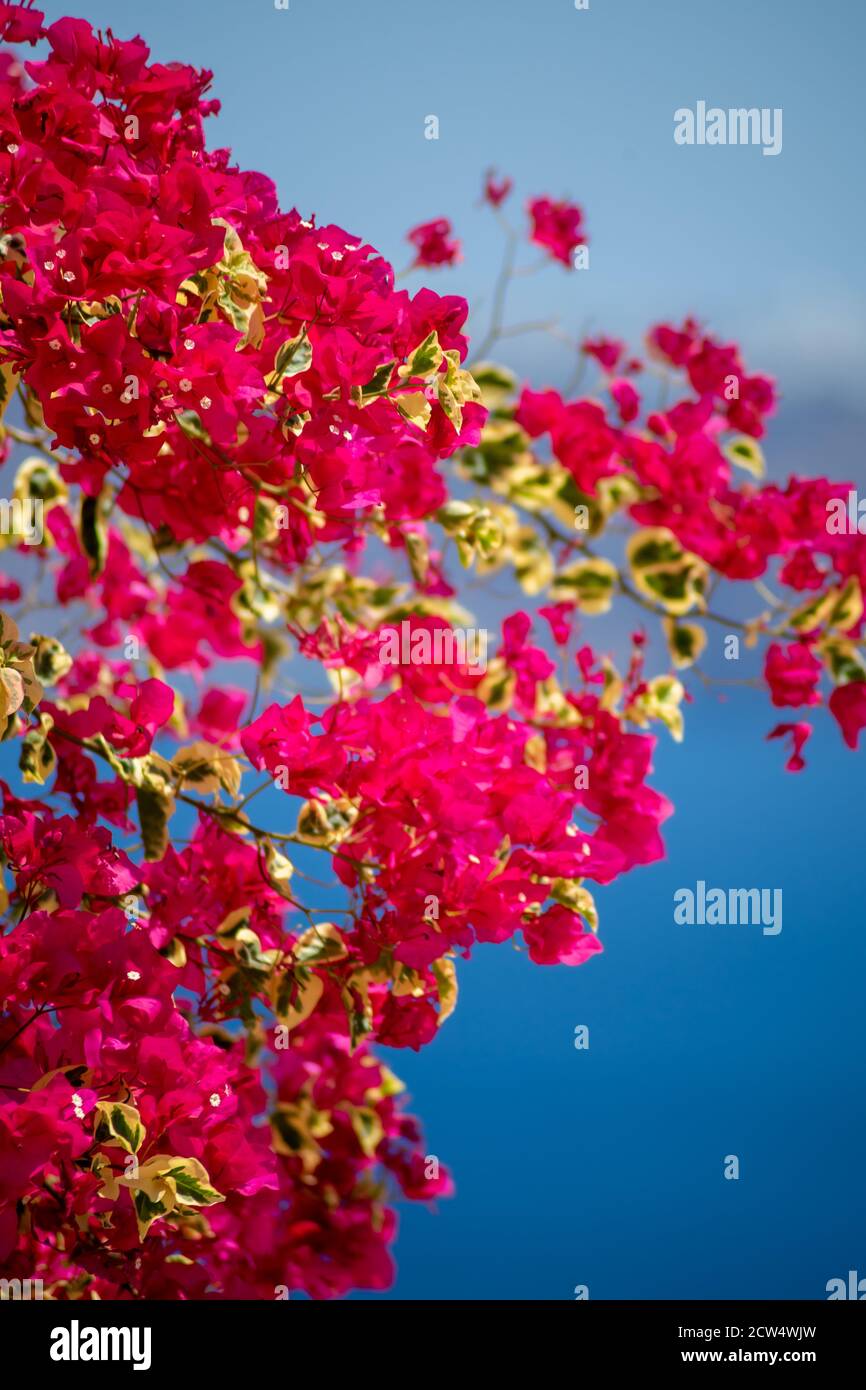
x: 266, y: 1338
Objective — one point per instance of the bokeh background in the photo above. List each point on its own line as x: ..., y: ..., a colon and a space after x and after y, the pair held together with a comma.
x: 605, y: 1167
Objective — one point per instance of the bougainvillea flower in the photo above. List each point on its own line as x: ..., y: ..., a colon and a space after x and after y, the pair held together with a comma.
x: 606, y: 351
x: 558, y: 937
x: 792, y: 674
x: 496, y: 190
x: 258, y: 469
x: 847, y: 705
x: 557, y: 227
x: 799, y: 733
x: 434, y: 243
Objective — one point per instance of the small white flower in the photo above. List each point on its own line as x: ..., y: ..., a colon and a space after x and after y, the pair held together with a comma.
x: 215, y: 1100
x: 48, y: 265
x: 306, y: 224
x: 337, y: 255
x: 94, y: 438
x: 205, y: 402
x: 13, y: 149
x: 133, y: 974
x: 185, y: 384
x: 189, y: 344
x: 55, y: 345
x: 333, y: 429
x: 61, y: 254
x: 347, y: 434
x: 69, y: 274
x: 78, y: 1112
x: 76, y: 1099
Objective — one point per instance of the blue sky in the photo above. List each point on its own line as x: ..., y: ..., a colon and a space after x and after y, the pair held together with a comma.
x: 604, y: 1167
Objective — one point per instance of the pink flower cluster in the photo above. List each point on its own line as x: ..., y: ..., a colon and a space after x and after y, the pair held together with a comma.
x: 232, y: 407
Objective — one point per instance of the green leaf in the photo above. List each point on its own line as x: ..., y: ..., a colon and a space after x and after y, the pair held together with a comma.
x: 661, y: 699
x: 118, y: 1124
x: 156, y: 806
x: 746, y: 453
x: 8, y: 382
x: 360, y: 1024
x: 663, y: 571
x: 590, y: 583
x: 11, y: 691
x: 848, y: 608
x: 192, y: 1190
x: 320, y: 945
x: 38, y: 759
x: 424, y: 360
x: 51, y: 661
x: 295, y: 356
x: 686, y: 641
x: 445, y: 975
x: 368, y: 1128
x: 654, y: 547
x: 455, y: 514
x: 456, y: 388
x: 504, y: 447
x: 93, y: 537
x: 146, y: 1210
x: 496, y: 384
x: 835, y: 608
x: 376, y: 387
x: 190, y: 423
x: 843, y: 660
x: 414, y: 407
x: 571, y: 893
